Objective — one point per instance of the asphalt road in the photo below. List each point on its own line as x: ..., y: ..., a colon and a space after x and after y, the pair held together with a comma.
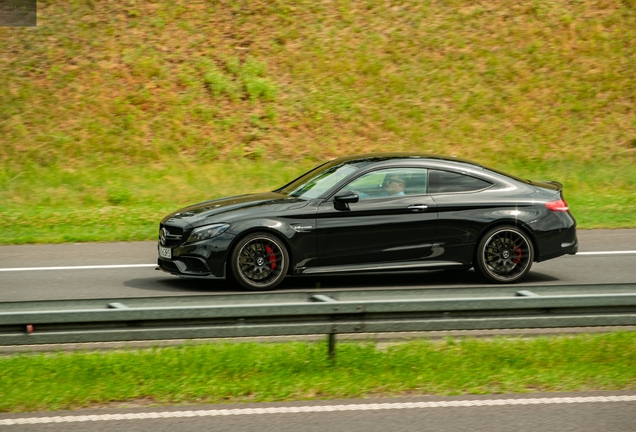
x: 590, y: 411
x: 146, y: 281
x: 593, y: 265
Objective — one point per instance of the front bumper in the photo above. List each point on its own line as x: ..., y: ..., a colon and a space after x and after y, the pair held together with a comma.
x: 205, y: 259
x: 189, y: 267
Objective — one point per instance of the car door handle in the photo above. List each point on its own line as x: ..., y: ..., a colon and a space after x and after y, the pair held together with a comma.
x: 417, y: 207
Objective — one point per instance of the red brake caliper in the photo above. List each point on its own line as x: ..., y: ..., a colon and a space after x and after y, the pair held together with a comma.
x: 272, y: 258
x: 517, y: 253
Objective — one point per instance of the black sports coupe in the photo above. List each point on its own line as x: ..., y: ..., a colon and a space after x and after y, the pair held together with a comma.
x: 373, y: 213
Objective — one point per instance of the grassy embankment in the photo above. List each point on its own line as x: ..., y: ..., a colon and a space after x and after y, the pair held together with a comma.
x: 296, y: 371
x: 112, y: 114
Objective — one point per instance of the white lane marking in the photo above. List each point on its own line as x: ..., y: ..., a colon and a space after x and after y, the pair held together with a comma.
x: 319, y: 408
x: 607, y: 253
x: 77, y: 267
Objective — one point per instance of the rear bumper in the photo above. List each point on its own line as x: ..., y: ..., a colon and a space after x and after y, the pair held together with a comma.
x: 573, y: 248
x: 558, y: 243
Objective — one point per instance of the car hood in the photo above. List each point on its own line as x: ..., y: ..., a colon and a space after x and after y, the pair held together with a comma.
x: 226, y: 209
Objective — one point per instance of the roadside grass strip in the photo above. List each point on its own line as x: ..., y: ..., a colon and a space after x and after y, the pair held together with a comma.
x: 251, y: 372
x: 64, y: 213
x: 316, y: 409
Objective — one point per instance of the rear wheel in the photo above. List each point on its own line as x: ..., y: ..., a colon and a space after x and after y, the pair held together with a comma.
x: 504, y: 255
x: 259, y: 262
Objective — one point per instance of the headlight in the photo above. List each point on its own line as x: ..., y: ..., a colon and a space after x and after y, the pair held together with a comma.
x: 207, y: 232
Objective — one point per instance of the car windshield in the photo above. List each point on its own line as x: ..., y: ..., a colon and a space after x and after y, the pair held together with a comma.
x: 316, y: 182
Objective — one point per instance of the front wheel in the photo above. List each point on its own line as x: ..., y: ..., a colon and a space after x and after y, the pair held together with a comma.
x: 504, y: 255
x: 259, y: 262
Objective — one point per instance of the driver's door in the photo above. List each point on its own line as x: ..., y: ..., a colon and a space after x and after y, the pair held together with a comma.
x: 376, y: 229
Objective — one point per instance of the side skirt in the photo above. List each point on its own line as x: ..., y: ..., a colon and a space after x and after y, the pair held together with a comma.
x: 407, y: 265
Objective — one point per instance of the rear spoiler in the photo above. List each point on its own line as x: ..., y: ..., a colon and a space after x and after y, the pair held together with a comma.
x: 548, y: 184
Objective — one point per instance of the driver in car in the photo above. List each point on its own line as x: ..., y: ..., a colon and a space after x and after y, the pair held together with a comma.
x: 393, y: 185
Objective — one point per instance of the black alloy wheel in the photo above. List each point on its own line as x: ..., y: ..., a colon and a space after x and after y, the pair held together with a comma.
x: 504, y: 255
x: 259, y: 262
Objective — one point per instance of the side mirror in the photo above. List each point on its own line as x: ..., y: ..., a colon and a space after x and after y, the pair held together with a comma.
x: 346, y: 197
x: 342, y: 199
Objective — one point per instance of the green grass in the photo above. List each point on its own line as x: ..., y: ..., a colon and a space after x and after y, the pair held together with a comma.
x: 218, y: 373
x: 103, y: 203
x: 114, y: 115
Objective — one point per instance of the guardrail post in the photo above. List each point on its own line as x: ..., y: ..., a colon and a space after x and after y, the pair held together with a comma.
x: 332, y: 346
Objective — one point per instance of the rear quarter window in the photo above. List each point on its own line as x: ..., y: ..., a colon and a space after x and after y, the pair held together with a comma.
x: 448, y: 182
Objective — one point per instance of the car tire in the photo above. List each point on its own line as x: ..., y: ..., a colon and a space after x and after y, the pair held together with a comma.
x: 259, y: 262
x: 504, y: 255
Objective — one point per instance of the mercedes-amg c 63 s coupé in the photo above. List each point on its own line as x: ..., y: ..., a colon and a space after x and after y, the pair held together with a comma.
x: 373, y: 213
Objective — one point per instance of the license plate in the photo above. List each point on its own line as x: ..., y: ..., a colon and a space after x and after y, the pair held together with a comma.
x: 165, y: 252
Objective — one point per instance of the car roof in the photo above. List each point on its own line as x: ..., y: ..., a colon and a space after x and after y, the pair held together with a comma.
x: 386, y: 157
x: 441, y: 161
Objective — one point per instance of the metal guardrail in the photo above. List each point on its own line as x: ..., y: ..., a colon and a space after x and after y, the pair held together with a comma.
x: 316, y: 312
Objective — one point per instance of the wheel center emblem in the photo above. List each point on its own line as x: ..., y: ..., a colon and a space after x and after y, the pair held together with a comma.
x: 505, y: 254
x: 260, y: 261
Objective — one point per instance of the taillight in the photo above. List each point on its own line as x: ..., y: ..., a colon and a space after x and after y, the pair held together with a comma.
x: 557, y: 206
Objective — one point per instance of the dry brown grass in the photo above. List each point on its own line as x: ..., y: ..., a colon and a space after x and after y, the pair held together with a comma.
x: 103, y: 82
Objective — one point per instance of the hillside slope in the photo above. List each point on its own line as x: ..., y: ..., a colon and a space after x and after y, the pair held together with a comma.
x: 104, y: 82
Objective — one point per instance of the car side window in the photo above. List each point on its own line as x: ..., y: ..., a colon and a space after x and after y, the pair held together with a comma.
x: 390, y: 182
x: 448, y: 182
